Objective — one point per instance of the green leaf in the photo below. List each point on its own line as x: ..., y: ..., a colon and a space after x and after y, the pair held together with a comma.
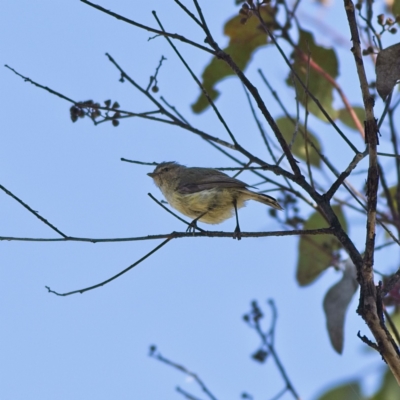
x: 345, y: 117
x: 348, y: 391
x: 389, y: 390
x: 393, y: 193
x: 287, y: 128
x: 244, y: 40
x: 317, y: 84
x: 396, y: 7
x: 316, y: 252
x: 395, y: 316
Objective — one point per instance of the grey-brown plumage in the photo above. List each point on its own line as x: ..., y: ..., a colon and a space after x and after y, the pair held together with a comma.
x: 205, y: 194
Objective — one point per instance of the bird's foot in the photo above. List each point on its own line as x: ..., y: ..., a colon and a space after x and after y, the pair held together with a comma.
x: 237, y: 234
x: 192, y: 227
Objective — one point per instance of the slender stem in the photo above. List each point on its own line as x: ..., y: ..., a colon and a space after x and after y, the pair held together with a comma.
x: 193, y: 75
x: 306, y: 122
x: 183, y: 369
x: 188, y: 12
x: 26, y: 79
x: 147, y: 28
x: 171, y: 212
x: 370, y: 305
x: 288, y: 63
x: 163, y: 110
x: 172, y: 235
x: 332, y: 190
x: 253, y: 90
x: 113, y: 277
x: 35, y: 213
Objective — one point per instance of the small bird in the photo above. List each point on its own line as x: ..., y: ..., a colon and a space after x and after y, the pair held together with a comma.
x: 205, y: 194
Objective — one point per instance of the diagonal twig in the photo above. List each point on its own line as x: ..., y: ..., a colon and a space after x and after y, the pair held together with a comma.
x: 219, y: 116
x: 113, y: 277
x: 35, y: 213
x: 171, y: 212
x: 157, y: 355
x: 148, y: 28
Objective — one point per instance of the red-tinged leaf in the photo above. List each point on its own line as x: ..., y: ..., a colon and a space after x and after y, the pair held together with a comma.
x: 344, y: 116
x: 318, y: 85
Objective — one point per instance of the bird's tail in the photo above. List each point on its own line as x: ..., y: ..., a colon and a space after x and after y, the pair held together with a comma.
x: 263, y: 198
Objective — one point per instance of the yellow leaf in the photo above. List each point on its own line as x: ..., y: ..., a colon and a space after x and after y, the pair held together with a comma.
x: 244, y: 40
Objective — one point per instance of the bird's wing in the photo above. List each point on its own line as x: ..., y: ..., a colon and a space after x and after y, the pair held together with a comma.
x: 210, y: 179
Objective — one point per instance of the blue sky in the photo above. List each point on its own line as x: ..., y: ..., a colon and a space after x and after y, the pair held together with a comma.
x: 188, y: 298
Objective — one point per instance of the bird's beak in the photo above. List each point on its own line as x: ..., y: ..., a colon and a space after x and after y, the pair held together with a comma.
x: 151, y: 174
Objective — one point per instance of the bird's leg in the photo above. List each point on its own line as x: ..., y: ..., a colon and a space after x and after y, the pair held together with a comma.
x: 193, y: 225
x: 236, y: 234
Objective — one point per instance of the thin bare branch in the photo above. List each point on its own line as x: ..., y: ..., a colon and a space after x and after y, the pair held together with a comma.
x: 254, y: 92
x: 244, y: 168
x: 193, y: 75
x: 316, y: 101
x: 186, y: 394
x: 113, y: 277
x: 188, y: 12
x: 179, y: 115
x: 324, y: 159
x: 175, y: 121
x: 148, y: 28
x: 345, y: 174
x: 139, y: 162
x: 340, y: 177
x: 35, y: 213
x: 370, y: 304
x: 253, y: 319
x: 279, y: 394
x: 173, y: 235
x: 126, y: 114
x: 259, y: 126
x: 340, y: 91
x: 367, y: 341
x: 171, y: 212
x: 265, y: 178
x: 40, y: 86
x: 153, y: 78
x: 157, y: 355
x: 397, y: 156
x: 306, y: 112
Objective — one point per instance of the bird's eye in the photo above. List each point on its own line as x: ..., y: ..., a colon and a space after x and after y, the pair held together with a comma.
x: 165, y: 169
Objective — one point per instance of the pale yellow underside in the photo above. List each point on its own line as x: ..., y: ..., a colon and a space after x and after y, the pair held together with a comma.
x: 217, y: 204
